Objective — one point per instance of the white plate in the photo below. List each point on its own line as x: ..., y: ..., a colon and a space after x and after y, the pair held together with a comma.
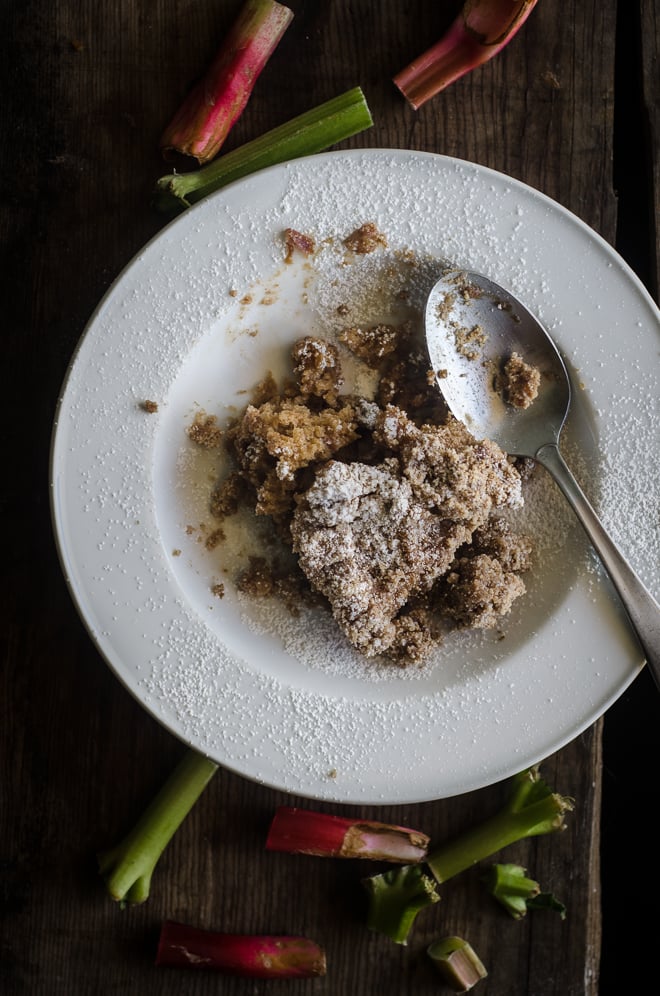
x: 197, y: 318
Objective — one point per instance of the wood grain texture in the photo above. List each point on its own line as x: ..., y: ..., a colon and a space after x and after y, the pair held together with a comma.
x: 87, y: 89
x: 649, y: 42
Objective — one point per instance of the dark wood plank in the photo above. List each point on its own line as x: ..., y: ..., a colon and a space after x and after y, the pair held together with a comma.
x: 649, y: 42
x: 87, y: 90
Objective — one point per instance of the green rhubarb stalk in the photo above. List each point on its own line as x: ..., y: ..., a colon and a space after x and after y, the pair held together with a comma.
x: 127, y: 868
x: 311, y: 132
x: 531, y: 809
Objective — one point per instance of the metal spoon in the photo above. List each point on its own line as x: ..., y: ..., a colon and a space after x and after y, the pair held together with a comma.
x: 473, y: 326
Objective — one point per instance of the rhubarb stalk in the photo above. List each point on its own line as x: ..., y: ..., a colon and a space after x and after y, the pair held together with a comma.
x: 311, y: 132
x: 254, y: 955
x: 206, y: 116
x: 128, y: 867
x: 531, y: 809
x: 457, y: 962
x: 302, y: 831
x: 480, y: 31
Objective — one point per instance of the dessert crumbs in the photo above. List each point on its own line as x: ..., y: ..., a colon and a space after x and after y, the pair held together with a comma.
x: 518, y: 382
x: 385, y: 510
x: 151, y: 407
x: 365, y: 239
x: 469, y: 341
x: 375, y: 342
x: 214, y: 539
x: 205, y: 431
x: 295, y: 241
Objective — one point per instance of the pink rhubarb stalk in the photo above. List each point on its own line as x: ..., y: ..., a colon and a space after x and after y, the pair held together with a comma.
x: 480, y: 31
x: 302, y: 831
x: 206, y: 116
x: 254, y: 955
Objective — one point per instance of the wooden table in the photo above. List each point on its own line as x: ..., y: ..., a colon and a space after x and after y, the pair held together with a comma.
x: 87, y: 89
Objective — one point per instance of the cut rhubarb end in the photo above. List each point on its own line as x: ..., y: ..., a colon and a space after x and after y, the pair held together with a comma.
x: 456, y: 54
x: 302, y: 831
x: 457, y: 962
x: 206, y: 116
x: 480, y: 31
x: 253, y: 955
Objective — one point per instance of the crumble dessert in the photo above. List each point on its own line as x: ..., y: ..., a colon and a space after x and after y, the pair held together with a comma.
x: 389, y: 505
x: 384, y: 509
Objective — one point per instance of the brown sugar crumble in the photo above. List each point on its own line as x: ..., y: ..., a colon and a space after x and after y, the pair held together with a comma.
x: 365, y: 239
x: 214, y: 539
x: 372, y: 344
x: 317, y: 369
x: 469, y: 341
x: 519, y: 382
x: 205, y: 431
x: 151, y: 407
x: 387, y: 511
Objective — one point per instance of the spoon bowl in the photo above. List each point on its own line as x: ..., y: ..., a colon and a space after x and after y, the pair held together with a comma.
x: 473, y: 329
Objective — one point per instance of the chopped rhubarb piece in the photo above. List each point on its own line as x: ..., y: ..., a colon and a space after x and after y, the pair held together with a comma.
x: 206, y: 116
x: 480, y: 31
x: 255, y: 955
x: 457, y: 962
x: 302, y: 831
x: 517, y: 893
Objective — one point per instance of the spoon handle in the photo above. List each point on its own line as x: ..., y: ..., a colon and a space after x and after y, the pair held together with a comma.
x: 642, y: 609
